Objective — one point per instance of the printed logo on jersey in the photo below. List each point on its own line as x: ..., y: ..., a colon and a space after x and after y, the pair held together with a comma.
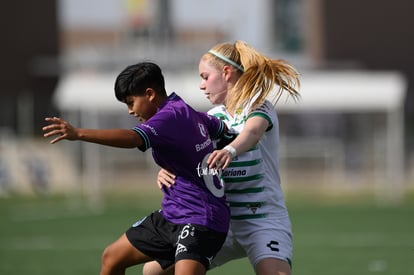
x: 212, y: 178
x: 151, y: 129
x: 209, y: 259
x: 273, y: 245
x: 206, y: 143
x: 254, y: 206
x: 180, y: 249
x: 239, y: 119
x: 234, y: 172
x: 188, y: 230
x: 203, y: 145
x: 239, y: 110
x: 205, y: 171
x: 203, y: 131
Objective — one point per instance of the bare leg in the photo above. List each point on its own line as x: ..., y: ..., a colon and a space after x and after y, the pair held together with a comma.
x: 154, y: 268
x: 189, y: 267
x: 119, y: 255
x: 273, y: 267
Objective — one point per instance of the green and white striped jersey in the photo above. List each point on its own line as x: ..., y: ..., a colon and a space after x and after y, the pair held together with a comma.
x: 252, y: 181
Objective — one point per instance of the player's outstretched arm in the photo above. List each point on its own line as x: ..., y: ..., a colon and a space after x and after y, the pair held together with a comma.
x: 61, y: 129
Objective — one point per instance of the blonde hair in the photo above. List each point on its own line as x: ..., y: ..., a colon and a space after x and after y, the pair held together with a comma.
x: 258, y: 75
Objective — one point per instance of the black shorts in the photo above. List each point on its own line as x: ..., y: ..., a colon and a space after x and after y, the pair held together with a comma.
x: 168, y: 243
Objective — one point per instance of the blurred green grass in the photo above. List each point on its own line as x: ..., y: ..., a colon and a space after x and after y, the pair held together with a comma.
x: 332, y: 235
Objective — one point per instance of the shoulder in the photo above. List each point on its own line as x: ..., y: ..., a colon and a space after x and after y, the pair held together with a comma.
x: 266, y: 111
x: 266, y: 107
x: 174, y: 107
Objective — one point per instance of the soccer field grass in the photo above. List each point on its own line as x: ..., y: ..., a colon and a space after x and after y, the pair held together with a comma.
x: 50, y: 235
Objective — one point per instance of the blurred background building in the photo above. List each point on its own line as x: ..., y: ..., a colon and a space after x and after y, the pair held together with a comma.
x: 46, y: 42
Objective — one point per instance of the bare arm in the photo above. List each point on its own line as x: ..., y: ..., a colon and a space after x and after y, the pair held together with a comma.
x: 249, y: 136
x: 123, y: 138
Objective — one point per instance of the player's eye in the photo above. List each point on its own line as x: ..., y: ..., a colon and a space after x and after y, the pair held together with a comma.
x: 129, y: 103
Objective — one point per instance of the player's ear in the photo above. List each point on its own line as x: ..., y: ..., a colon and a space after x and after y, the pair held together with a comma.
x: 150, y: 93
x: 227, y: 72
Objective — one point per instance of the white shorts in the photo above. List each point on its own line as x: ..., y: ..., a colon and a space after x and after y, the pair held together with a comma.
x: 259, y: 239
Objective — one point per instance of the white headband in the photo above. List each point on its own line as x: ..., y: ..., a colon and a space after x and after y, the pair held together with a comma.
x: 227, y: 60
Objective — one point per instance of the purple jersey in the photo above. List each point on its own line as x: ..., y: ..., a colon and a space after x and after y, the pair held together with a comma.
x: 181, y: 139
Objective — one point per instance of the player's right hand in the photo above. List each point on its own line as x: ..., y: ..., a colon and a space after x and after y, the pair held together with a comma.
x: 60, y: 128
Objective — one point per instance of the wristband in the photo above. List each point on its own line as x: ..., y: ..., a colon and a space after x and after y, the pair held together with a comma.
x: 231, y: 149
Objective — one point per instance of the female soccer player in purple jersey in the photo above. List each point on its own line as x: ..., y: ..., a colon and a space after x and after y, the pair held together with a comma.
x: 193, y: 222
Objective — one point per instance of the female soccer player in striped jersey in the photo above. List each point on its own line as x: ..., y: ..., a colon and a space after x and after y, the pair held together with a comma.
x: 242, y: 80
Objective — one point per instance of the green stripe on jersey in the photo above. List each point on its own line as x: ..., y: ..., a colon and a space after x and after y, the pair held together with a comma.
x: 265, y: 117
x: 221, y: 116
x: 243, y: 179
x: 246, y: 204
x: 246, y: 217
x: 261, y: 115
x: 245, y: 163
x: 244, y: 191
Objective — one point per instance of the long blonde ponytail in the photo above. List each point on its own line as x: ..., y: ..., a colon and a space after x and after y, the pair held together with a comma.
x: 259, y: 76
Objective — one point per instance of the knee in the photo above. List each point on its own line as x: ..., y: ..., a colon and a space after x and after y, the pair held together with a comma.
x: 106, y: 255
x: 154, y: 268
x: 151, y: 268
x: 108, y: 262
x: 273, y: 266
